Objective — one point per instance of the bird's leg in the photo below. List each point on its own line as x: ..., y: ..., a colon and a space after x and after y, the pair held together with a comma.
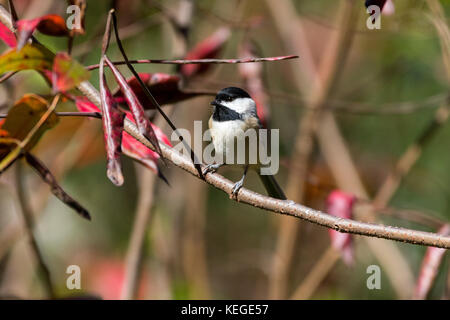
x: 238, y: 185
x: 211, y: 168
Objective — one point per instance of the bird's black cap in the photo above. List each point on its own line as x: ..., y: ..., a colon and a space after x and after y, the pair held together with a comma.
x: 231, y: 93
x: 223, y: 113
x: 379, y: 3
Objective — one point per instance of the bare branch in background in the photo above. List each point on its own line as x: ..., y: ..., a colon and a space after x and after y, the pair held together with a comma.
x: 143, y: 217
x: 332, y: 145
x: 321, y: 91
x: 56, y: 189
x: 141, y: 225
x: 29, y: 224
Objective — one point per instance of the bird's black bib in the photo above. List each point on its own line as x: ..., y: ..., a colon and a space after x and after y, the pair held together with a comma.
x: 222, y: 113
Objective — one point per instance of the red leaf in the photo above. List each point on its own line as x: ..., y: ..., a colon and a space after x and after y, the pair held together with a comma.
x: 135, y: 106
x: 252, y: 75
x: 430, y: 267
x: 131, y: 145
x: 137, y: 151
x: 67, y: 73
x: 206, y: 49
x: 84, y: 105
x: 3, y: 133
x: 7, y: 36
x: 159, y: 133
x: 51, y: 24
x: 164, y: 87
x: 113, y: 119
x: 340, y: 204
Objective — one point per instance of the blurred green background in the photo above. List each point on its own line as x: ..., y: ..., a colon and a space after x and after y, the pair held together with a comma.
x: 199, y: 244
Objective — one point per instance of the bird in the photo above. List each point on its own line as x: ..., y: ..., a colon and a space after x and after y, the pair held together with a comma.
x: 234, y: 113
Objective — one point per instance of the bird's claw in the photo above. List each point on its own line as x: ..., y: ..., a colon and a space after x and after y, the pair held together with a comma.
x: 210, y: 168
x: 237, y: 186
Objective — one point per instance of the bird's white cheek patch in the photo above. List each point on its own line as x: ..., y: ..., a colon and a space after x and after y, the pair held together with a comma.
x: 241, y: 105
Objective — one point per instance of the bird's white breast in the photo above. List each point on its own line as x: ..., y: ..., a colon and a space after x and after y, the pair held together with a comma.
x: 223, y: 133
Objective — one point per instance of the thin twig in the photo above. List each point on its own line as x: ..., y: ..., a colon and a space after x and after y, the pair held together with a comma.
x: 339, y: 105
x: 7, y: 75
x: 69, y: 114
x: 128, y: 31
x: 56, y: 189
x: 41, y: 121
x: 29, y: 226
x: 70, y: 41
x: 199, y: 61
x: 412, y: 216
x: 141, y: 223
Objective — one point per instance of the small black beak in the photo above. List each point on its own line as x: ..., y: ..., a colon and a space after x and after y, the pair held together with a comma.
x: 215, y: 103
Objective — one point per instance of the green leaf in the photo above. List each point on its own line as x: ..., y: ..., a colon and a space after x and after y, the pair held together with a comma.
x: 31, y: 56
x: 25, y: 114
x: 22, y: 119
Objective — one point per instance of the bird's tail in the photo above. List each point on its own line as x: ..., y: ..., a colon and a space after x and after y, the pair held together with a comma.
x: 273, y: 188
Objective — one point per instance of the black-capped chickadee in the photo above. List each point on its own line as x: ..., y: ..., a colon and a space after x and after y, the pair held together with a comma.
x: 233, y: 115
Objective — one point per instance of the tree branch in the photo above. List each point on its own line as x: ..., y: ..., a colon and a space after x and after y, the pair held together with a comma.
x: 285, y: 207
x: 293, y: 209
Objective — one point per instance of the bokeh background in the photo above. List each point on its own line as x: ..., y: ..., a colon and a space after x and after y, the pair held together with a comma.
x: 199, y: 244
